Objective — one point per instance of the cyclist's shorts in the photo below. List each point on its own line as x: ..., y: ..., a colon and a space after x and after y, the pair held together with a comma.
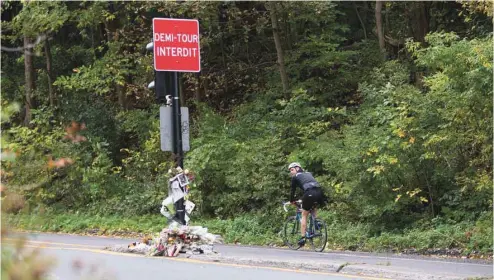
x: 311, y: 198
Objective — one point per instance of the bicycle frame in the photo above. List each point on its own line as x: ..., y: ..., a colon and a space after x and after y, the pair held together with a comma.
x: 310, y: 230
x: 315, y: 228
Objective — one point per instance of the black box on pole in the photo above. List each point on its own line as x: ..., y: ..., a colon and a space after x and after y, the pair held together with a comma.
x: 163, y: 85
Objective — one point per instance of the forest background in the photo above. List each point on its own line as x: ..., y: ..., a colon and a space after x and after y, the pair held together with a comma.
x: 388, y: 104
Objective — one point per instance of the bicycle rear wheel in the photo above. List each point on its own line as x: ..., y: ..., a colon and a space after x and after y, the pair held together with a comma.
x: 320, y: 236
x: 291, y: 233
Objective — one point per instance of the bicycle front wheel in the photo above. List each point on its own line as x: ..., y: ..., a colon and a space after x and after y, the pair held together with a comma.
x: 320, y: 236
x: 291, y: 233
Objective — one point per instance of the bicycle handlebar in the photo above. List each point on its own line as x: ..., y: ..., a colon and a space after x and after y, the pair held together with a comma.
x: 288, y: 203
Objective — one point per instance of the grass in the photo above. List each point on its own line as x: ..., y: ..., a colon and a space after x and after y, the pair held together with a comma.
x: 81, y: 223
x: 252, y: 230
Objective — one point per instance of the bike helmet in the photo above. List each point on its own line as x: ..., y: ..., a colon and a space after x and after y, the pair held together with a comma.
x: 293, y: 165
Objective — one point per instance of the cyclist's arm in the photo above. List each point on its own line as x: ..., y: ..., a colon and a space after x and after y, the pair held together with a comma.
x: 292, y: 191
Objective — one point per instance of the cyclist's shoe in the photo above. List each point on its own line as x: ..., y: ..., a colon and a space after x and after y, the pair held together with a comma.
x: 301, y: 241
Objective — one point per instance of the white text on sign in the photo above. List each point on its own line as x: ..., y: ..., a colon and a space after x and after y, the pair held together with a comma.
x: 176, y: 51
x: 181, y: 38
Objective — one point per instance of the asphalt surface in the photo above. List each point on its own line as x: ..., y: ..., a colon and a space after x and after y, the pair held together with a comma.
x: 93, y: 265
x: 84, y: 255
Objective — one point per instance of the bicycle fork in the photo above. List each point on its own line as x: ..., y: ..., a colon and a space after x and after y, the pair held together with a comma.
x: 296, y: 225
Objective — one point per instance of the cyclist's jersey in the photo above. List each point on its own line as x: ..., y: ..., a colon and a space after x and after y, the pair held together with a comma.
x: 303, y: 180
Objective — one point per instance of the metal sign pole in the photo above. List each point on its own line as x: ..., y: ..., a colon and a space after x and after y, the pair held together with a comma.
x: 175, y: 49
x: 177, y: 121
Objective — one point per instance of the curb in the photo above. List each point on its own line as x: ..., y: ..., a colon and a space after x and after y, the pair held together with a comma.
x: 344, y: 268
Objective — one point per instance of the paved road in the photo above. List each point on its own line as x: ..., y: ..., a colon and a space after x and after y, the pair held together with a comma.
x: 240, y: 262
x: 97, y: 265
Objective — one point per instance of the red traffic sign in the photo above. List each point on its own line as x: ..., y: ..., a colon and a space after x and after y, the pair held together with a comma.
x: 176, y: 45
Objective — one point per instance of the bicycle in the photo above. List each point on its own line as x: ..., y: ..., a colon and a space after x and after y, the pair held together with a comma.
x: 316, y: 229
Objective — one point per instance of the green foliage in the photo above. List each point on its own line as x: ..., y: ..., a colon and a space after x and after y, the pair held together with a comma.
x: 401, y: 146
x: 82, y: 224
x: 245, y: 230
x: 317, y: 62
x: 37, y: 18
x: 100, y: 77
x: 399, y: 155
x: 460, y: 141
x: 228, y: 163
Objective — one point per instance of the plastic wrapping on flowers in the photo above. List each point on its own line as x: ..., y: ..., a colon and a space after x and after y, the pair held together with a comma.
x: 176, y: 239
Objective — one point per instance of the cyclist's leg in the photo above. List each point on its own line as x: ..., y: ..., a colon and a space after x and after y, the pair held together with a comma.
x: 319, y: 201
x: 308, y: 201
x: 306, y: 204
x: 303, y: 222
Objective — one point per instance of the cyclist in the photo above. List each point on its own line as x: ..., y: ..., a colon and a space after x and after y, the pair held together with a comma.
x: 313, y: 195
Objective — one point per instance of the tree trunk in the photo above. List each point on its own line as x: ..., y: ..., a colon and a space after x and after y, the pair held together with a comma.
x: 387, y: 26
x: 360, y: 19
x: 205, y: 88
x: 379, y: 27
x: 29, y: 78
x: 49, y: 72
x: 279, y: 50
x: 197, y: 93
x: 223, y: 27
x: 121, y: 96
x: 423, y: 22
x: 112, y: 27
x: 108, y: 32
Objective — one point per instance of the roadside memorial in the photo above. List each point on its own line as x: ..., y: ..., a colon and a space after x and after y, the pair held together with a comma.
x: 176, y: 237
